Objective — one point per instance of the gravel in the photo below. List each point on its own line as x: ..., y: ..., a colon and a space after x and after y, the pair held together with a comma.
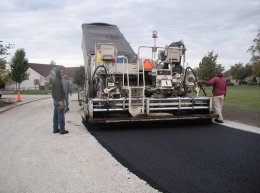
x: 33, y: 159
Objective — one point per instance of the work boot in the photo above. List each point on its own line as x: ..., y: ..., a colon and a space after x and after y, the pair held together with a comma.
x: 64, y: 132
x: 56, y: 130
x: 218, y: 121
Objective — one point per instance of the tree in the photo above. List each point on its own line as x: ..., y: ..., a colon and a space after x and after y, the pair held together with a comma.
x: 52, y: 62
x: 240, y: 72
x: 19, y: 67
x: 248, y: 70
x: 79, y: 77
x: 208, y: 66
x: 196, y: 71
x: 256, y: 70
x: 255, y: 51
x: 4, y: 51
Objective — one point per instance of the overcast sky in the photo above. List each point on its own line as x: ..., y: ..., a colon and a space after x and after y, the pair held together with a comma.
x: 51, y: 29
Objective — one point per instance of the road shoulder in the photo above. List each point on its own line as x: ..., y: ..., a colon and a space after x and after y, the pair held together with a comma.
x: 25, y: 99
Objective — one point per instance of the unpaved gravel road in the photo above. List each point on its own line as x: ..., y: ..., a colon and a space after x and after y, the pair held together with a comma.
x: 33, y: 159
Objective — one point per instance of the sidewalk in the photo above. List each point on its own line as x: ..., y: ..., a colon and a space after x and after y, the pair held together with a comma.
x: 24, y: 100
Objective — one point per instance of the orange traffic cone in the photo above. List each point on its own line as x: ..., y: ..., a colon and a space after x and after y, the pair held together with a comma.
x: 18, y: 98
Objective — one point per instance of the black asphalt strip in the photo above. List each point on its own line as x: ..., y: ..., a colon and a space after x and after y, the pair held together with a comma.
x: 187, y: 158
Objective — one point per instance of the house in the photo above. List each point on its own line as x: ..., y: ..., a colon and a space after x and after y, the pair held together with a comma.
x: 39, y: 75
x: 251, y: 79
x: 247, y: 80
x: 228, y: 77
x: 70, y: 71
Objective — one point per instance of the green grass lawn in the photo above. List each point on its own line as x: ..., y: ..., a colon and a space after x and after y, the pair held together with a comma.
x: 241, y: 97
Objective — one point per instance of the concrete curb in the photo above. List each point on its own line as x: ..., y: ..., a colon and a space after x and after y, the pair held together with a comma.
x: 17, y: 104
x: 241, y: 126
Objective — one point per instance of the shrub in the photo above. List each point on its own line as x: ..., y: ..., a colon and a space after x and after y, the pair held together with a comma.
x: 230, y: 84
x: 252, y: 83
x: 47, y: 85
x: 41, y: 87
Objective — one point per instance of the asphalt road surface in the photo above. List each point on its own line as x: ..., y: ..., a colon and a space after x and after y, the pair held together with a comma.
x: 34, y: 160
x: 171, y: 158
x: 187, y: 158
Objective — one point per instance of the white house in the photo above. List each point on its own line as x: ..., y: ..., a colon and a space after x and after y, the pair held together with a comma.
x: 39, y: 74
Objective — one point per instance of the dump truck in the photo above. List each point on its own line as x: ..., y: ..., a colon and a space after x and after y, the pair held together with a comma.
x: 153, y: 84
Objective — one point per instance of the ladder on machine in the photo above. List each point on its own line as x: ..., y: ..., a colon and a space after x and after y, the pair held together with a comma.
x: 136, y: 94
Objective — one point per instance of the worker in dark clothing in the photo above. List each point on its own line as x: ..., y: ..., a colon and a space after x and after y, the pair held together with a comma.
x: 58, y: 101
x: 66, y: 87
x: 219, y: 92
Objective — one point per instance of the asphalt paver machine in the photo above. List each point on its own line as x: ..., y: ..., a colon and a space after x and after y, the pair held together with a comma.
x: 152, y: 85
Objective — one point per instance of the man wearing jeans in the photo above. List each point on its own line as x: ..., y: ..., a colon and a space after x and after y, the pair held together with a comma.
x: 219, y: 91
x: 58, y: 101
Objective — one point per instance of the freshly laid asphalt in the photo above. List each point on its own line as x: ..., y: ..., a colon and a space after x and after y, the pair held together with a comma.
x: 187, y: 158
x: 171, y: 158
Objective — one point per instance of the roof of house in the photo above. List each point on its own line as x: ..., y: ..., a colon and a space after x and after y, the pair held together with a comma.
x: 43, y: 69
x: 70, y: 71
